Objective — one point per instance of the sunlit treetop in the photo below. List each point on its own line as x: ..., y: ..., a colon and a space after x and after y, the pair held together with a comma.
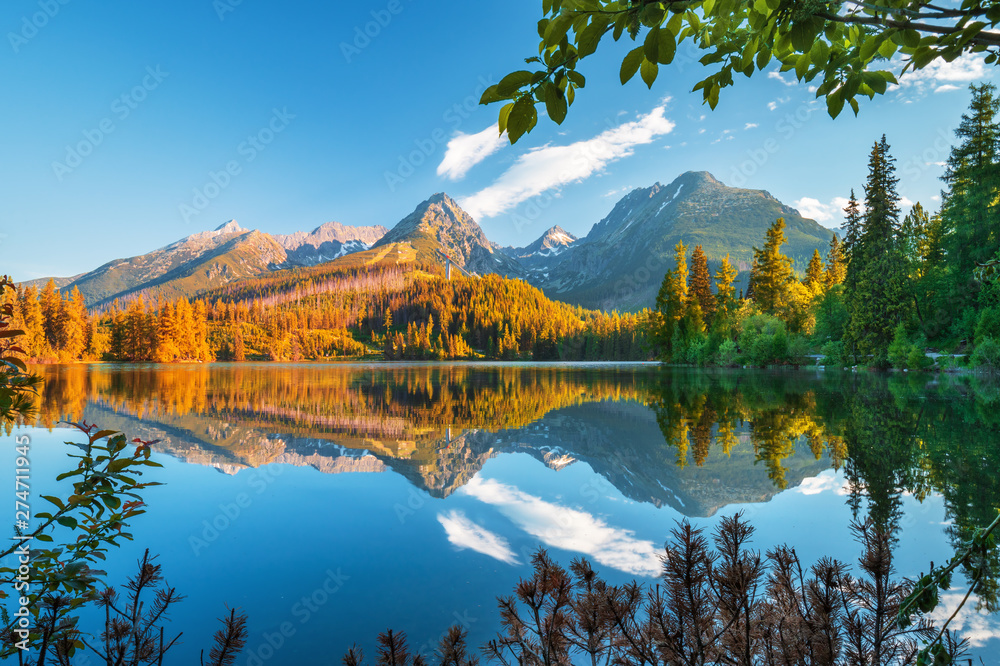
x: 850, y: 48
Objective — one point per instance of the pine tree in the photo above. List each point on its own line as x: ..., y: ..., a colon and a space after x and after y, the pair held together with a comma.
x: 835, y: 268
x: 239, y: 347
x: 73, y: 324
x: 671, y: 303
x: 773, y: 271
x: 700, y: 284
x: 852, y: 225
x: 726, y: 303
x: 874, y: 285
x: 971, y: 209
x: 51, y: 301
x: 814, y: 273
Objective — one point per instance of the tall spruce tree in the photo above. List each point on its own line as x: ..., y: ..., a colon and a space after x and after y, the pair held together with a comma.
x: 852, y: 224
x: 970, y: 210
x: 773, y: 271
x: 725, y: 297
x: 874, y: 286
x: 700, y: 284
x: 835, y: 265
x: 814, y: 273
x: 671, y: 303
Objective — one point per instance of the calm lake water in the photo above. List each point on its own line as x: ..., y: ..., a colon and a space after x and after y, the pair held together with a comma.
x: 335, y: 501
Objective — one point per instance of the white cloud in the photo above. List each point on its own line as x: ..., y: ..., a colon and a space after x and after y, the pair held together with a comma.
x: 776, y: 103
x: 750, y: 126
x: 840, y: 203
x: 778, y: 77
x: 569, y: 529
x: 464, y: 533
x: 465, y: 151
x: 944, y: 76
x: 977, y: 627
x: 551, y: 166
x: 936, y: 198
x: 827, y: 481
x: 812, y: 208
x: 904, y: 202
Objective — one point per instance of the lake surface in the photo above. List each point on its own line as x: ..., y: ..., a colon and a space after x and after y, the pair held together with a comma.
x: 336, y: 501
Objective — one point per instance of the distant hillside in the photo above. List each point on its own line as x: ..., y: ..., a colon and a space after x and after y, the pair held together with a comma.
x: 621, y: 262
x: 211, y: 259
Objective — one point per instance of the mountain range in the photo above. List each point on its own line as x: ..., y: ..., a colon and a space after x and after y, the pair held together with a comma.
x: 619, y: 264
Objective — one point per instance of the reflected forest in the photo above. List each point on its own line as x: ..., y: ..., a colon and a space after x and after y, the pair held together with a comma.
x: 713, y: 438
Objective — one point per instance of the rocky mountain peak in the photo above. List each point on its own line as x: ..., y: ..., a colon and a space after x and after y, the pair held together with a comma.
x: 230, y: 227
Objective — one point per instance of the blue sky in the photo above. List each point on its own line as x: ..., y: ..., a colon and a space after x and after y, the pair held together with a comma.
x: 130, y: 125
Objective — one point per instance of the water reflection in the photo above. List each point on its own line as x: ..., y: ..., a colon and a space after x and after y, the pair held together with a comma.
x: 693, y: 441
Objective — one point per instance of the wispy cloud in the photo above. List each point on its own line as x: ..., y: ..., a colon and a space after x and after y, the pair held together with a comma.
x: 464, y: 533
x: 465, y: 151
x: 551, y: 166
x: 750, y: 126
x: 569, y: 529
x: 778, y: 77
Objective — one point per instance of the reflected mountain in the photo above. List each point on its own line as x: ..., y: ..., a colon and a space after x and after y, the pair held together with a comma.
x: 693, y: 440
x: 438, y: 424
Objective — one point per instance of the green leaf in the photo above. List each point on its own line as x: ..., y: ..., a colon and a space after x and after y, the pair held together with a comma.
x: 54, y: 500
x: 67, y: 521
x: 522, y: 117
x: 555, y: 103
x: 713, y: 97
x: 667, y: 47
x: 648, y: 72
x: 502, y: 118
x: 763, y: 57
x: 887, y: 49
x: 491, y: 95
x: 513, y: 81
x: 630, y: 64
x: 591, y: 36
x: 835, y: 102
x: 651, y: 46
x: 43, y: 537
x: 557, y: 29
